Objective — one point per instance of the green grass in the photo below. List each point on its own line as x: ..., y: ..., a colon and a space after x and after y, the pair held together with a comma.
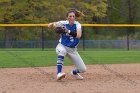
x: 39, y: 58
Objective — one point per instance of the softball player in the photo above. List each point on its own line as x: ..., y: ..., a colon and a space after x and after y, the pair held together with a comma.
x: 68, y: 45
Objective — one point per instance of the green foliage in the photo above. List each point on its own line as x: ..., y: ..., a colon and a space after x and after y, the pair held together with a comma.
x: 42, y: 11
x: 45, y: 11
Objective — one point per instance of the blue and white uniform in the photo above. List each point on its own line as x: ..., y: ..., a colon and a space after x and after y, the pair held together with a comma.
x: 67, y: 39
x: 68, y: 47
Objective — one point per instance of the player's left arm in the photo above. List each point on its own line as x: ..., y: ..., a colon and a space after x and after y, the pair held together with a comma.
x: 79, y: 31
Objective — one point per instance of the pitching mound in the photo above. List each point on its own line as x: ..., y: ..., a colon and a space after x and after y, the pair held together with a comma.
x: 118, y: 78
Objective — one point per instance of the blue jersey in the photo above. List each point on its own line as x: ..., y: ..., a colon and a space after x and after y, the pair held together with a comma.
x: 67, y: 39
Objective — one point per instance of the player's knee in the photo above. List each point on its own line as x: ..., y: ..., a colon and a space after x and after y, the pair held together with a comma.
x: 83, y: 69
x: 61, y: 52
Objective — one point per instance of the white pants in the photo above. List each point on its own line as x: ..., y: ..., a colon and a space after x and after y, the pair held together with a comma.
x: 73, y: 55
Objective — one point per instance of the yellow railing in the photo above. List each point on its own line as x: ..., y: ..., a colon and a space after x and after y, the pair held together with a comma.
x: 94, y: 25
x: 112, y: 25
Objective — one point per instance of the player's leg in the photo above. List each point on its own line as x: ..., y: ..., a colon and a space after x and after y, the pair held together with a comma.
x: 61, y: 51
x: 80, y: 66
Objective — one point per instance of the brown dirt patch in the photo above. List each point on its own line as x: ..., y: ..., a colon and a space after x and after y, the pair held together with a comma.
x: 117, y: 78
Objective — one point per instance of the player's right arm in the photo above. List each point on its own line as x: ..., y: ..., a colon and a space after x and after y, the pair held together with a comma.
x: 51, y: 25
x: 55, y: 24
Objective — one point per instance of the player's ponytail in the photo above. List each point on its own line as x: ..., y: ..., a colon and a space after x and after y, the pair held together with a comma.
x: 78, y: 14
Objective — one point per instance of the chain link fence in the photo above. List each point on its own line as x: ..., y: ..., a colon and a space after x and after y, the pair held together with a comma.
x: 93, y: 38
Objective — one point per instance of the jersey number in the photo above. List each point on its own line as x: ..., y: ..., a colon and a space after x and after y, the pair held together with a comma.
x: 71, y: 39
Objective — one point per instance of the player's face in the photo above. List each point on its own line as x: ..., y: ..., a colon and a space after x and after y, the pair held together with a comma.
x: 71, y: 18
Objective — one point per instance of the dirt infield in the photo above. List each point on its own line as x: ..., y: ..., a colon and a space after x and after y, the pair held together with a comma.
x: 118, y: 78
